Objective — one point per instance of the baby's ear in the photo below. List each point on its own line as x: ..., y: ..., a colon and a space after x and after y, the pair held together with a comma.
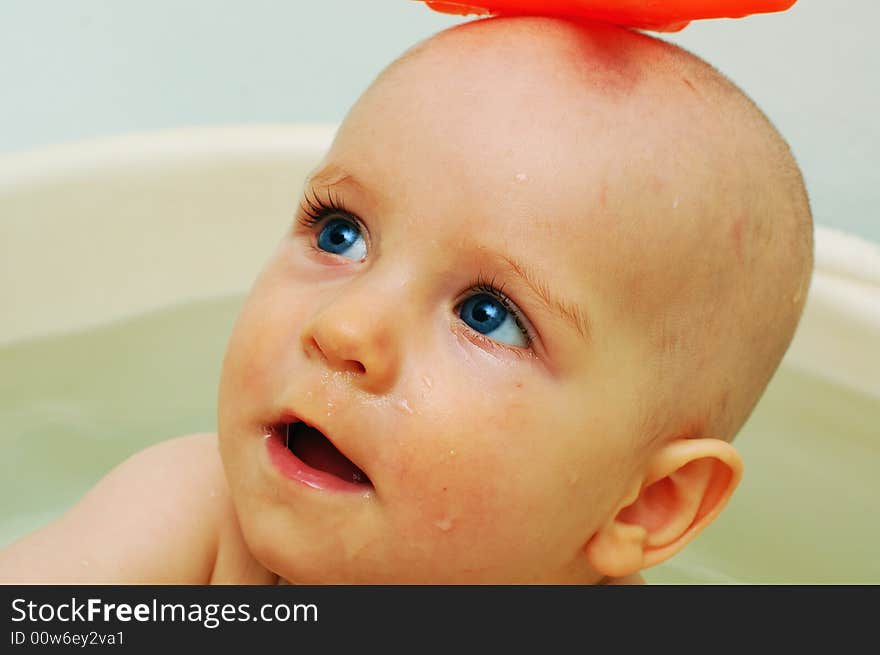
x: 685, y: 486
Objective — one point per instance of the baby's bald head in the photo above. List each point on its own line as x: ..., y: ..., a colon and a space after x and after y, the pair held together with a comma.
x: 692, y: 214
x: 535, y: 254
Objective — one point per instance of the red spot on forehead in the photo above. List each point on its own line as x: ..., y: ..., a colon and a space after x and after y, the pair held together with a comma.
x: 736, y: 234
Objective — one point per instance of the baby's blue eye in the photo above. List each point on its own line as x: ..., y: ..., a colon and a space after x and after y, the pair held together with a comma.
x: 487, y: 315
x: 340, y: 235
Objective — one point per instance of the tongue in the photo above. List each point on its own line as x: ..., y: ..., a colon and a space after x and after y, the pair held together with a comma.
x: 315, y: 449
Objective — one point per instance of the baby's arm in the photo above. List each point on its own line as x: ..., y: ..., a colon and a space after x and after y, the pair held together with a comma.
x: 157, y: 518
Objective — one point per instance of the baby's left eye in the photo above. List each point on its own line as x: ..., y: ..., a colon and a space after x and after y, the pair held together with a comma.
x: 341, y: 236
x: 489, y: 315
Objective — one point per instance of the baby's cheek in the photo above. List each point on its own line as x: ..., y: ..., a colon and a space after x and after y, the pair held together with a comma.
x: 455, y: 485
x: 517, y: 409
x: 266, y: 332
x: 248, y: 354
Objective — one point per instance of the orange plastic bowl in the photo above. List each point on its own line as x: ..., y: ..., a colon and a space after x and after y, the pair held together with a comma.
x: 657, y: 15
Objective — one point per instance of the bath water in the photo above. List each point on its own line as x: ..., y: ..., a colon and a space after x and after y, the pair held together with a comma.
x: 74, y: 406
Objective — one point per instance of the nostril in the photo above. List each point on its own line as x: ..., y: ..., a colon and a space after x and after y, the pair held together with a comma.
x: 353, y: 365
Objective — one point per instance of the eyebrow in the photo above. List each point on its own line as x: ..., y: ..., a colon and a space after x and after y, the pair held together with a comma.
x: 567, y: 311
x: 333, y: 175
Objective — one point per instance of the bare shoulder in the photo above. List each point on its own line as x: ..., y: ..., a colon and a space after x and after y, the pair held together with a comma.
x: 155, y: 518
x: 190, y: 462
x: 192, y: 466
x: 181, y: 478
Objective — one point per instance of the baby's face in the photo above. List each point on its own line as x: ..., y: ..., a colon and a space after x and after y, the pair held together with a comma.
x: 445, y: 311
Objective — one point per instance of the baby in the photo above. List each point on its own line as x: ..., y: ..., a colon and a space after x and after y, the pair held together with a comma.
x: 534, y: 289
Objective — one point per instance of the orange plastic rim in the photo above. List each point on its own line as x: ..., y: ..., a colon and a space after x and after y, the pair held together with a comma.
x: 658, y: 15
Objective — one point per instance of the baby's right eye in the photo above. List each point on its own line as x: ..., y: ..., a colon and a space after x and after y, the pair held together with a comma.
x: 340, y: 232
x: 342, y: 236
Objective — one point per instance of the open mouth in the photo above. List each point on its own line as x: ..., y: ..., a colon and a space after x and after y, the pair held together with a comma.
x: 315, y: 450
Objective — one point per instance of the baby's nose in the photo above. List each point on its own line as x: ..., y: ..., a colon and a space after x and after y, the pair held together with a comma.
x: 357, y: 334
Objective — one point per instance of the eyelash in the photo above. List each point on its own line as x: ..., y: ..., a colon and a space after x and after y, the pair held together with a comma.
x: 313, y: 209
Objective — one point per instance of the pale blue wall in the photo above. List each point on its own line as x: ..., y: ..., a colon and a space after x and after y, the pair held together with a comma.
x: 82, y: 68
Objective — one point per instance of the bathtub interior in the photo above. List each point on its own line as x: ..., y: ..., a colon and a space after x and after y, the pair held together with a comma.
x: 125, y: 262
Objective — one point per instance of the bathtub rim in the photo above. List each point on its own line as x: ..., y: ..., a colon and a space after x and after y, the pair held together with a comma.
x: 838, y: 337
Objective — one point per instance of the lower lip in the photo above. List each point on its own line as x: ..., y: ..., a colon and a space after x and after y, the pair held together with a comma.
x: 291, y: 466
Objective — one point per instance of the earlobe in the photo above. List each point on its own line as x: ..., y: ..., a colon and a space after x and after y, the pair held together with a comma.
x: 684, y: 487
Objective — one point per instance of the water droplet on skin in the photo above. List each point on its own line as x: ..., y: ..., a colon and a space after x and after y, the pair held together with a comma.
x: 521, y: 177
x: 452, y: 453
x: 427, y: 381
x: 675, y: 203
x: 404, y: 406
x: 444, y: 524
x: 376, y: 402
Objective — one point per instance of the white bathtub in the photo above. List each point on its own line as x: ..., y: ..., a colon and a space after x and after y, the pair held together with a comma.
x: 98, y: 232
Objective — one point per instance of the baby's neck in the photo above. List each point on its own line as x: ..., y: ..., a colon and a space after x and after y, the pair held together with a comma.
x: 634, y: 579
